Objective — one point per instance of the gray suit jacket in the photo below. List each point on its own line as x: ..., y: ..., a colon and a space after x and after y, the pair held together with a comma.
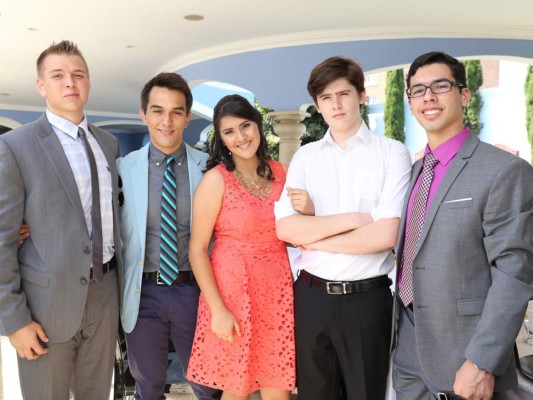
x: 47, y: 279
x: 473, y: 269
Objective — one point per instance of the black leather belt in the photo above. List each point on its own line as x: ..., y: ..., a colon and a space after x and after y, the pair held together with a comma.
x: 346, y: 287
x: 183, y: 276
x: 108, y: 266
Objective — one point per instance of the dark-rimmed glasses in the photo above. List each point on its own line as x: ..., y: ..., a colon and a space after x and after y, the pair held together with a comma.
x: 437, y: 87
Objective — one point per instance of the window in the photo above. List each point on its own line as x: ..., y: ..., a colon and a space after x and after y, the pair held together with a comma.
x: 371, y: 80
x: 371, y: 100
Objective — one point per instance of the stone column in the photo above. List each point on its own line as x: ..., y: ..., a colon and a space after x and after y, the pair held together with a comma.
x: 289, y: 129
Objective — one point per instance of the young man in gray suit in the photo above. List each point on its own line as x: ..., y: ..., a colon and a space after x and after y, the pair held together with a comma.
x: 465, y: 250
x: 160, y: 294
x: 59, y: 293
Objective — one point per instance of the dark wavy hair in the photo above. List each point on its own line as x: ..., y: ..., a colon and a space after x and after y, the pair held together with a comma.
x: 237, y: 106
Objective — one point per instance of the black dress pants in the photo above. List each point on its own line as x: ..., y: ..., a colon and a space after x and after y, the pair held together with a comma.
x: 342, y: 343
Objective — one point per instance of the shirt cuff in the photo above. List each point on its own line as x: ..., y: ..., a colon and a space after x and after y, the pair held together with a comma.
x: 383, y: 213
x: 281, y: 210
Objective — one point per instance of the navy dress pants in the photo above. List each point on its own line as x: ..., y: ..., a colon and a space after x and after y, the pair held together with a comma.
x: 165, y: 312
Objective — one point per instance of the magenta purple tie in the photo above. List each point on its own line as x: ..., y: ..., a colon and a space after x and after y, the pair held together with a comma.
x: 416, y: 222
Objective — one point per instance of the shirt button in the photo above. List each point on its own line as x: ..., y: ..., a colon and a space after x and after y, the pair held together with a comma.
x: 87, y: 250
x: 83, y: 281
x: 137, y: 290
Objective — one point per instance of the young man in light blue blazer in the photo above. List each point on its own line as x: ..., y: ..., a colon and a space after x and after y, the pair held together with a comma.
x: 155, y: 310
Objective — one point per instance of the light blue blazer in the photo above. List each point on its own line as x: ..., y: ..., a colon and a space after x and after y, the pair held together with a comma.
x: 133, y: 169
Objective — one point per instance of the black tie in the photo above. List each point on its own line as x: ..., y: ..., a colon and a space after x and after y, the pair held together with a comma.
x: 96, y: 217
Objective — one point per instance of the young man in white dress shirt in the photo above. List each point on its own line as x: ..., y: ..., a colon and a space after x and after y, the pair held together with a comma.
x: 357, y: 182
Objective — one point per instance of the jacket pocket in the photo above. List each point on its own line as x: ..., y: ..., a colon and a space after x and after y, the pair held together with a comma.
x: 33, y: 276
x: 470, y: 306
x: 460, y: 203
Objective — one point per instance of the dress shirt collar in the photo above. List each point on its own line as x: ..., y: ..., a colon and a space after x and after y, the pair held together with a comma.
x: 447, y: 151
x: 65, y: 125
x: 157, y: 156
x: 363, y: 134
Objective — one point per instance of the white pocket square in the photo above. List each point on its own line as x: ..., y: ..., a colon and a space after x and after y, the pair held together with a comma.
x: 458, y: 200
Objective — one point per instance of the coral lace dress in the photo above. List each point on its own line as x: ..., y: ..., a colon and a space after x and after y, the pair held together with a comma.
x: 253, y: 275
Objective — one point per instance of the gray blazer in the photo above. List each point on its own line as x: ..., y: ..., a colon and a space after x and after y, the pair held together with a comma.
x: 47, y: 279
x: 473, y: 269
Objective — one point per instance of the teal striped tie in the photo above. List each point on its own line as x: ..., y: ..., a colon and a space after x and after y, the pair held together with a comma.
x: 168, y: 260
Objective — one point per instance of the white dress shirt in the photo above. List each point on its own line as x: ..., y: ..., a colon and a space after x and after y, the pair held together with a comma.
x: 371, y: 175
x: 67, y: 133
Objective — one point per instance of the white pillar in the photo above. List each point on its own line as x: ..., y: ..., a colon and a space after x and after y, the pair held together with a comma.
x: 289, y: 128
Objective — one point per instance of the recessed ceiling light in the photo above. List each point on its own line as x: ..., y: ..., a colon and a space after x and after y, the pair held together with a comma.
x: 33, y: 29
x: 194, y: 17
x: 131, y: 46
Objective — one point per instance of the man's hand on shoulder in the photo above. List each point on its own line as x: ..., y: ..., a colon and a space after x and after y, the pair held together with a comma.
x: 26, y: 341
x: 472, y: 383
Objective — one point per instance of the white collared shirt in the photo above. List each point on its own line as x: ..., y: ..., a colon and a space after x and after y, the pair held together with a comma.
x: 371, y: 175
x: 74, y: 149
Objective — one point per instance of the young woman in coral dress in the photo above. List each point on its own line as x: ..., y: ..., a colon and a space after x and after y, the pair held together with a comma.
x: 244, y: 338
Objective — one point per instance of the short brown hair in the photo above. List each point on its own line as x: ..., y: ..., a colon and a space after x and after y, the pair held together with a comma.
x: 65, y: 47
x: 332, y: 69
x: 170, y: 81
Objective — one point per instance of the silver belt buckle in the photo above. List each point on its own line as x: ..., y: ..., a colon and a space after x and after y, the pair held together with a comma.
x: 335, y: 283
x: 158, y: 279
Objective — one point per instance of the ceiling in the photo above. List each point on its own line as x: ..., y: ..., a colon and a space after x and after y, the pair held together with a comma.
x: 127, y: 42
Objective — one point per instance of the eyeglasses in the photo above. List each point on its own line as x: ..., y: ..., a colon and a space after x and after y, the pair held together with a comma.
x: 437, y: 87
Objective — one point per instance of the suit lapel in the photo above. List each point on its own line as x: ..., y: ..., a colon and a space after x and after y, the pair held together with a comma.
x: 139, y: 192
x: 401, y: 234
x: 458, y: 163
x: 112, y: 165
x: 108, y: 153
x: 195, y: 171
x: 56, y: 155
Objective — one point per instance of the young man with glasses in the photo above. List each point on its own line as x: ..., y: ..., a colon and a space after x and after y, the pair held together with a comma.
x: 465, y: 251
x: 357, y: 182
